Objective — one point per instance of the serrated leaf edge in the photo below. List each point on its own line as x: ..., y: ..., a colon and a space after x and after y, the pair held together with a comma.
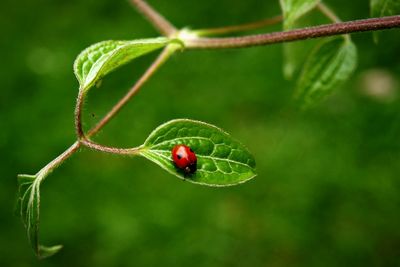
x: 84, y: 85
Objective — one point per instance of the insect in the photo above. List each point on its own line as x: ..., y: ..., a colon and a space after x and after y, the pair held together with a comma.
x: 184, y: 158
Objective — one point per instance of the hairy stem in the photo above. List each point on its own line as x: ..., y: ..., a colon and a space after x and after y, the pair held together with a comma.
x: 239, y: 28
x: 108, y: 149
x: 155, y: 18
x: 60, y: 159
x: 295, y: 35
x: 78, y: 115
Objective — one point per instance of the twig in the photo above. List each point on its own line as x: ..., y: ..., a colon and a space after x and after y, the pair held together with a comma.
x: 155, y: 18
x: 78, y: 115
x: 295, y: 35
x: 60, y: 159
x: 108, y: 149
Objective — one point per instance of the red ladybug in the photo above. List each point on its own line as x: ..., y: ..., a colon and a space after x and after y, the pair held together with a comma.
x: 184, y: 158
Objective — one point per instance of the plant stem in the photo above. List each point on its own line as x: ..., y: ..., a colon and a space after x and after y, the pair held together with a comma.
x: 239, y: 28
x: 46, y: 170
x: 155, y: 18
x: 78, y: 115
x: 165, y: 54
x: 108, y: 149
x: 295, y: 35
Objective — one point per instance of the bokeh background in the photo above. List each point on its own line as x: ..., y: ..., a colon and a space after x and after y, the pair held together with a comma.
x: 328, y: 186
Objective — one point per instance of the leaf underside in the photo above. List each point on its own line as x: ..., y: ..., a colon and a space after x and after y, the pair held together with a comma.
x: 28, y: 208
x: 221, y: 160
x: 328, y: 66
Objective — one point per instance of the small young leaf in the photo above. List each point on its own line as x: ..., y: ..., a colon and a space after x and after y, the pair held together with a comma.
x: 221, y: 160
x: 28, y: 208
x: 330, y: 64
x: 294, y: 9
x: 99, y: 59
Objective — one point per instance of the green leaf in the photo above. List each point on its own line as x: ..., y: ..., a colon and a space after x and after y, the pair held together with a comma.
x: 221, y: 160
x: 28, y: 208
x: 328, y: 66
x: 99, y: 59
x: 294, y: 9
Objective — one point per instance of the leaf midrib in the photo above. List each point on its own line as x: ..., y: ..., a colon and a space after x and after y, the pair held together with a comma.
x: 202, y: 156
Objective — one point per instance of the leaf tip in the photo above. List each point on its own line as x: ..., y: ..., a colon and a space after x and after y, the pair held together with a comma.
x: 45, y: 252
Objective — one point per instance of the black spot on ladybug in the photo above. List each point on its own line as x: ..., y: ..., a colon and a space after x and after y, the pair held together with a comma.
x: 179, y: 156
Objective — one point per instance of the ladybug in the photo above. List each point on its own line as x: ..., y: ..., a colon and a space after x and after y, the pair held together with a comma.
x: 184, y: 158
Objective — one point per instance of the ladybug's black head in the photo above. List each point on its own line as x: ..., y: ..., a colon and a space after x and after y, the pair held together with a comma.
x: 190, y: 169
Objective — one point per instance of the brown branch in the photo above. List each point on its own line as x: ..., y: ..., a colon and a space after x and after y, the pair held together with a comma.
x: 62, y: 157
x: 295, y: 35
x: 78, y: 115
x: 109, y: 149
x: 155, y: 18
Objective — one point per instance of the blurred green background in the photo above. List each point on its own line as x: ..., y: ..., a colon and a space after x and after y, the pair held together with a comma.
x: 328, y: 186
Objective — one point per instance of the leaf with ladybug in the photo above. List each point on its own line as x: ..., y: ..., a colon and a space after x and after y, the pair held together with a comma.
x: 199, y: 153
